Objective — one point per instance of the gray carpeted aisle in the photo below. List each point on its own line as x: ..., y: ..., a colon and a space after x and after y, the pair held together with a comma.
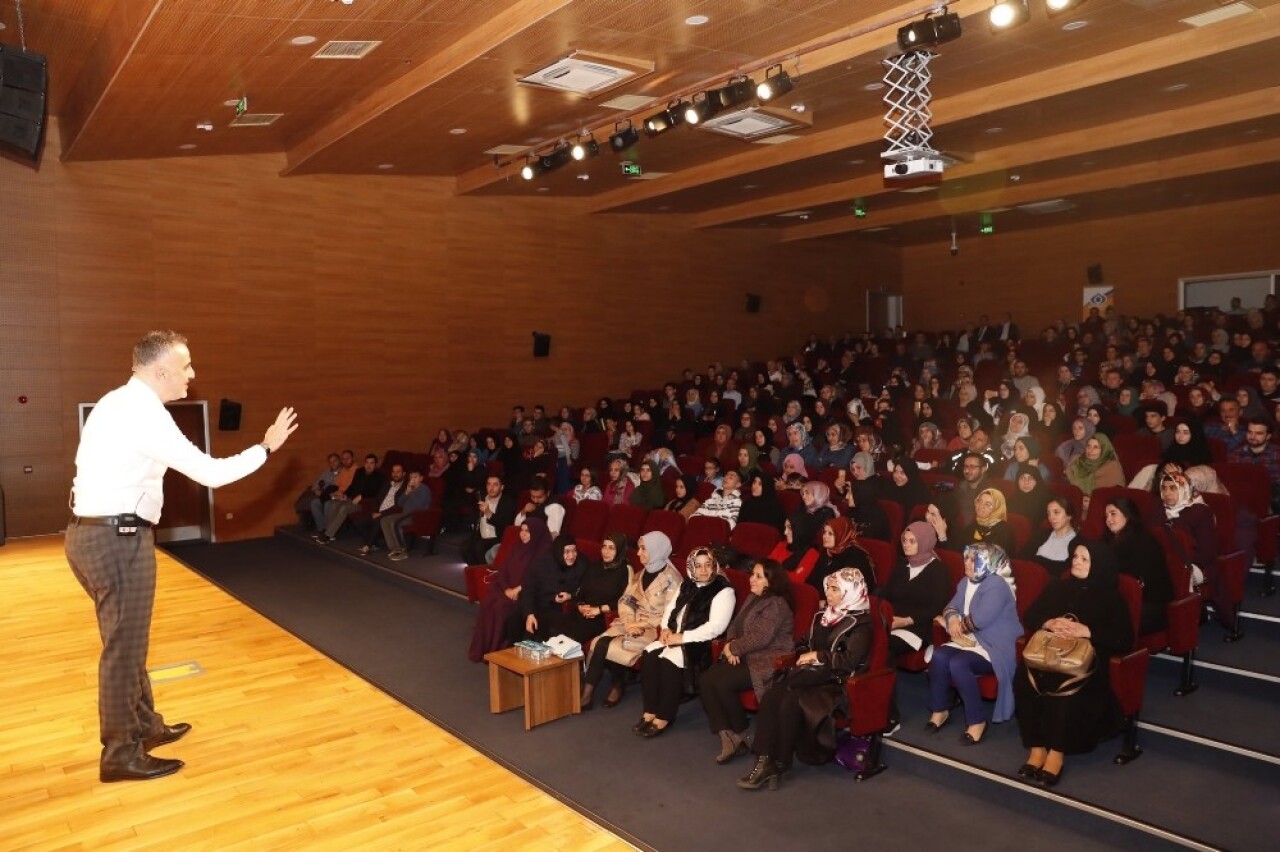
x: 668, y: 793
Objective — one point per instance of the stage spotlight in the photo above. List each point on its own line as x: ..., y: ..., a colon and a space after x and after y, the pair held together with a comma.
x: 555, y: 159
x: 932, y: 30
x: 661, y: 122
x: 1008, y: 13
x: 706, y: 104
x: 583, y: 150
x: 623, y: 137
x: 700, y: 106
x: 1057, y: 7
x: 774, y: 86
x: 532, y: 168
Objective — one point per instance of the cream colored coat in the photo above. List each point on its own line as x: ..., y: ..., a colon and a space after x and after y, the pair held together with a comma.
x: 640, y: 607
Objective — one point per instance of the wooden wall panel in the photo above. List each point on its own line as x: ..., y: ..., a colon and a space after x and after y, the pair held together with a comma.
x: 382, y: 308
x: 1039, y: 274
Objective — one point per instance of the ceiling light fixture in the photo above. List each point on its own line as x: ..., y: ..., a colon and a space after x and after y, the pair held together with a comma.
x: 1057, y: 7
x: 583, y: 150
x: 532, y: 168
x: 1008, y: 13
x: 930, y: 31
x: 623, y: 137
x: 736, y: 91
x: 561, y: 155
x: 661, y: 122
x: 777, y: 83
x: 696, y: 20
x: 1072, y: 26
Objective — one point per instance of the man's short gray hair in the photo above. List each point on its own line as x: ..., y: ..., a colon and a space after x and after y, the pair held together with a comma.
x: 154, y: 345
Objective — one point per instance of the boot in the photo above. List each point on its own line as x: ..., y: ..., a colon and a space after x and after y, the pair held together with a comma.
x: 731, y: 745
x: 765, y: 771
x: 588, y: 696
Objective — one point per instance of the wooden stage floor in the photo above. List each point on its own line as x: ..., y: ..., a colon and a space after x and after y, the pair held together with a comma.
x: 289, y: 750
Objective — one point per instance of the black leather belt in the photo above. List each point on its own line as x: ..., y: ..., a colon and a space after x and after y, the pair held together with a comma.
x: 108, y: 521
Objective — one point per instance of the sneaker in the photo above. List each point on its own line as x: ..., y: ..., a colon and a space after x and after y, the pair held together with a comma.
x: 398, y: 556
x: 321, y: 539
x: 366, y: 549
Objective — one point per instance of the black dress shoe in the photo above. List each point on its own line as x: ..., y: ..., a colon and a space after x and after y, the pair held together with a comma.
x: 168, y: 734
x: 614, y: 696
x: 641, y: 725
x: 1048, y: 779
x: 1028, y: 771
x: 933, y: 727
x: 144, y: 767
x: 651, y: 730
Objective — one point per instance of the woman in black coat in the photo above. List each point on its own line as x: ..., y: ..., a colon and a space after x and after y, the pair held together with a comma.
x: 760, y: 503
x: 1083, y: 603
x: 548, y: 586
x: 1140, y: 556
x: 806, y: 523
x: 602, y: 584
x: 905, y: 487
x: 797, y: 714
x: 839, y: 549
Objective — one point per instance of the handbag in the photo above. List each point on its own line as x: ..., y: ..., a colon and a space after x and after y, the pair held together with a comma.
x: 1048, y: 652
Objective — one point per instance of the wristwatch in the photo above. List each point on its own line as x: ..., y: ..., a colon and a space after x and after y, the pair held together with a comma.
x: 268, y: 449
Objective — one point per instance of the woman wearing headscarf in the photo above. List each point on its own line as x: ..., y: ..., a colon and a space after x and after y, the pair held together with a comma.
x: 649, y: 493
x: 760, y: 503
x: 1072, y: 448
x: 918, y: 588
x: 1141, y: 556
x: 839, y: 549
x: 928, y: 437
x: 863, y: 467
x: 982, y: 622
x: 816, y: 510
x: 1031, y: 496
x: 838, y: 450
x: 862, y: 497
x: 598, y: 591
x: 567, y: 450
x: 798, y: 560
x: 759, y: 634
x: 905, y: 486
x: 762, y: 440
x: 869, y: 442
x: 798, y: 443
x: 501, y: 600
x: 1034, y: 399
x: 550, y: 584
x: 798, y: 711
x: 1182, y: 508
x: 640, y: 612
x: 511, y: 459
x: 794, y: 472
x: 1128, y: 401
x: 1098, y: 467
x: 1251, y: 404
x: 990, y: 523
x: 1026, y: 456
x: 673, y: 663
x: 1019, y: 427
x: 1086, y: 397
x: 1084, y: 603
x: 748, y: 459
x: 439, y: 463
x: 1053, y: 424
x: 685, y: 500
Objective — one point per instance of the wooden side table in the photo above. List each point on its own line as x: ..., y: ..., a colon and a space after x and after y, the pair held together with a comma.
x: 547, y: 689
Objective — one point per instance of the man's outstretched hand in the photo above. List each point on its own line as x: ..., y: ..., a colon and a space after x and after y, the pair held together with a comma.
x: 277, y: 433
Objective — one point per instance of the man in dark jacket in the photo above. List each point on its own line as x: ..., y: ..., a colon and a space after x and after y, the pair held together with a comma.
x: 366, y: 485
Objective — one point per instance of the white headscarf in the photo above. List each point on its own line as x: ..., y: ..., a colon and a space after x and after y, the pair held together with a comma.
x: 853, y: 595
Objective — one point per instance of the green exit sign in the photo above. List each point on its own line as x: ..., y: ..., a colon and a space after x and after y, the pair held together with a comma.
x: 987, y: 229
x: 632, y: 170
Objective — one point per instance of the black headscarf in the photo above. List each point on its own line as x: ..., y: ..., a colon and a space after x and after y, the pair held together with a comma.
x: 765, y: 509
x: 1094, y: 601
x: 1032, y: 504
x: 1194, y: 452
x: 620, y: 544
x: 910, y: 494
x: 675, y: 504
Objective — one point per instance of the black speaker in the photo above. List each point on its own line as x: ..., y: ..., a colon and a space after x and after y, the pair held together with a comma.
x: 1095, y: 273
x: 228, y: 416
x: 541, y: 345
x: 753, y: 303
x: 24, y: 85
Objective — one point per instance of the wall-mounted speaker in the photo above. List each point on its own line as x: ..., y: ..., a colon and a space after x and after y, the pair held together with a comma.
x: 541, y: 345
x: 24, y: 86
x: 228, y: 416
x: 1095, y: 273
x: 753, y: 303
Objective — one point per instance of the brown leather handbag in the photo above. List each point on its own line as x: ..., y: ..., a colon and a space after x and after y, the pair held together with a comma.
x: 1048, y: 652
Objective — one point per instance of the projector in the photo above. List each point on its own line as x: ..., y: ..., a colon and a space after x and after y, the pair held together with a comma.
x: 914, y: 167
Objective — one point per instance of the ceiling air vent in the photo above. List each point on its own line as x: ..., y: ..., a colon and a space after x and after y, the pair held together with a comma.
x: 255, y: 119
x: 587, y: 74
x: 506, y: 150
x: 1222, y: 13
x: 754, y: 123
x: 345, y: 50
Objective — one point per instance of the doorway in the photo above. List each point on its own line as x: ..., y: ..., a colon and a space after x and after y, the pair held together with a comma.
x: 188, y: 505
x: 884, y: 311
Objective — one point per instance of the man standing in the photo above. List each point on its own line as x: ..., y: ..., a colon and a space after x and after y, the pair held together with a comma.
x: 127, y: 444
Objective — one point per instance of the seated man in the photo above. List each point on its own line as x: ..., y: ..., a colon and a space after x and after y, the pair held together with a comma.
x: 385, y: 502
x: 415, y: 497
x: 365, y: 485
x: 319, y: 492
x: 1154, y: 415
x: 711, y: 472
x: 1227, y: 428
x: 726, y: 501
x: 497, y: 511
x: 1258, y: 449
x: 341, y: 482
x: 538, y: 507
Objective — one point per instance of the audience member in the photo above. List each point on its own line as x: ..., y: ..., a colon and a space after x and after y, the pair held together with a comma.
x: 492, y: 630
x: 496, y: 511
x: 725, y: 502
x: 539, y: 506
x: 620, y: 486
x: 760, y: 504
x: 1055, y: 551
x: 384, y: 503
x: 602, y: 584
x: 549, y: 585
x: 587, y: 487
x: 839, y: 549
x: 1140, y: 555
x: 365, y: 485
x: 310, y: 503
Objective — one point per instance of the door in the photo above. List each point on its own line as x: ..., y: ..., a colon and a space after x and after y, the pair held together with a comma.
x: 884, y: 311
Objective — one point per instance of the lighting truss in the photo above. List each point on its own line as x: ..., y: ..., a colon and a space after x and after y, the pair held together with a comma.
x: 907, y: 98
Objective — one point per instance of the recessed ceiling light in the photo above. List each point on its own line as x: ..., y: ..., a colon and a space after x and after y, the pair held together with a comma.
x: 798, y: 107
x: 206, y: 126
x: 584, y: 177
x: 751, y: 186
x: 665, y: 207
x: 1176, y: 87
x: 1252, y: 132
x: 994, y: 130
x: 458, y: 131
x: 386, y: 166
x: 1015, y: 177
x: 187, y: 146
x: 232, y: 102
x: 696, y: 20
x: 544, y: 189
x: 302, y: 40
x: 873, y: 87
x: 856, y: 162
x: 1075, y: 25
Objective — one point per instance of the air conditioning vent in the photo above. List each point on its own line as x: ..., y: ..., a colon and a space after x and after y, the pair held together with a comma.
x: 506, y: 150
x: 346, y: 50
x: 754, y: 123
x: 1222, y: 13
x: 1053, y: 205
x: 256, y: 119
x: 629, y: 103
x: 587, y: 74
